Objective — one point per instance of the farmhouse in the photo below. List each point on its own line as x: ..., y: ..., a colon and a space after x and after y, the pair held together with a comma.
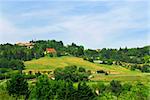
x: 26, y: 44
x: 50, y: 51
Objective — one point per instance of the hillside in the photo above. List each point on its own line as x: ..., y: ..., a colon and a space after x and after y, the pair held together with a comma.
x: 48, y: 63
x: 116, y: 72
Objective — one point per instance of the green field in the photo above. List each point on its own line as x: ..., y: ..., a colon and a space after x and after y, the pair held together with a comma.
x: 49, y: 64
x: 116, y: 72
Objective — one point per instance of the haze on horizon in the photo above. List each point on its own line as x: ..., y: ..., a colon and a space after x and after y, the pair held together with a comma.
x: 93, y: 24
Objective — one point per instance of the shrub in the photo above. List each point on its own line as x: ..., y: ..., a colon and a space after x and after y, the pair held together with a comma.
x: 81, y: 69
x: 17, y: 86
x: 100, y: 71
x: 145, y: 68
x: 70, y: 73
x: 116, y: 87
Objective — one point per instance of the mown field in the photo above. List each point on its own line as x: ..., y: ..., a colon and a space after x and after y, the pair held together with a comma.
x: 116, y: 72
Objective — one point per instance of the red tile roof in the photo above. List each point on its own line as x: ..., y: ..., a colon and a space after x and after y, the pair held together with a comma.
x: 50, y: 50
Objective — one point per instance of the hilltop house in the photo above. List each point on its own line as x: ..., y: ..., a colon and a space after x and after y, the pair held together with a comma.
x: 26, y: 44
x: 50, y: 52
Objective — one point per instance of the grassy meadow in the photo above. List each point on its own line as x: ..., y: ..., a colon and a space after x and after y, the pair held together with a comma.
x: 116, y: 72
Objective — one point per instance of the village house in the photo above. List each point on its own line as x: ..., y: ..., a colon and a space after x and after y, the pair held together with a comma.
x: 50, y: 52
x: 26, y: 44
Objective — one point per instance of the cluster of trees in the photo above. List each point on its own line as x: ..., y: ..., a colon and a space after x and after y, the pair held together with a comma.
x: 143, y: 68
x: 10, y: 51
x: 117, y: 91
x: 47, y: 89
x: 13, y: 64
x: 71, y: 73
x: 133, y: 55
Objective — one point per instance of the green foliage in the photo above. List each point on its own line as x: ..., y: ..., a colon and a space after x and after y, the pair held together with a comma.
x: 145, y: 68
x: 81, y: 69
x: 75, y: 50
x: 115, y: 87
x: 89, y: 53
x: 66, y: 91
x: 13, y: 64
x: 109, y: 62
x: 147, y: 59
x: 4, y: 70
x: 17, y: 86
x: 133, y: 67
x: 133, y: 55
x: 37, y: 74
x: 84, y: 92
x: 4, y: 76
x: 134, y: 92
x: 44, y: 89
x: 70, y: 73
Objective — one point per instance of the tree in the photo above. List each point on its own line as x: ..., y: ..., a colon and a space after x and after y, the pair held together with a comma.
x: 66, y: 91
x: 70, y: 73
x: 84, y: 92
x: 17, y: 86
x: 133, y: 67
x: 145, y: 68
x: 81, y: 69
x: 116, y: 87
x: 44, y: 89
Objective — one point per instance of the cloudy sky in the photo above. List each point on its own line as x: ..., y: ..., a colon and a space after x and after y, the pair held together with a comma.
x: 92, y: 23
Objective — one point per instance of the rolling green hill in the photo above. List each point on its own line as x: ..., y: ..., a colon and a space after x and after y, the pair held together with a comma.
x: 116, y: 72
x: 48, y: 63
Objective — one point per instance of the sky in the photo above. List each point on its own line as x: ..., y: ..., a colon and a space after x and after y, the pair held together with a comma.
x: 91, y: 23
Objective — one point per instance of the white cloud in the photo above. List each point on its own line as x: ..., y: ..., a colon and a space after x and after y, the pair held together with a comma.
x: 92, y: 30
x: 96, y: 29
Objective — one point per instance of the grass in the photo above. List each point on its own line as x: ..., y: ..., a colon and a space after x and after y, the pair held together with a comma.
x: 47, y: 63
x: 116, y: 72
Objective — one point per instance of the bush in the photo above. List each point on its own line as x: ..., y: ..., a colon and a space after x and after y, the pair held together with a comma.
x: 3, y: 70
x: 109, y: 62
x: 44, y: 89
x: 84, y: 92
x: 70, y: 73
x: 145, y: 68
x: 17, y: 86
x: 116, y: 87
x: 4, y: 76
x: 133, y: 67
x: 100, y: 71
x: 29, y: 76
x: 37, y: 74
x: 90, y: 60
x: 81, y: 69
